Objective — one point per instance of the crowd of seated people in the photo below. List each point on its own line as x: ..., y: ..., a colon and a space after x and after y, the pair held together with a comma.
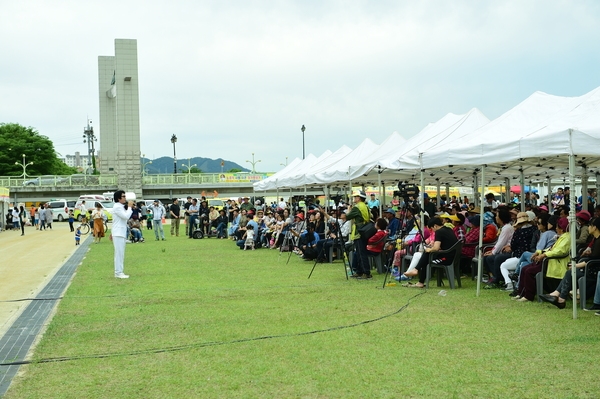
x: 519, y: 241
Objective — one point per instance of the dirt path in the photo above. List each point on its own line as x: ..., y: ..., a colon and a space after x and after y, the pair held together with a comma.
x: 28, y: 263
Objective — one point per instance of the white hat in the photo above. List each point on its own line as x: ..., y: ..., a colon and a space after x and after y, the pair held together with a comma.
x: 359, y: 193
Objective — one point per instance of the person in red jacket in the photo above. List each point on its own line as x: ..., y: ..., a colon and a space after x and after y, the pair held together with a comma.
x: 375, y: 243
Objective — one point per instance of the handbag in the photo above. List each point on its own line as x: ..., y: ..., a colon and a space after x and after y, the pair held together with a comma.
x: 367, y: 230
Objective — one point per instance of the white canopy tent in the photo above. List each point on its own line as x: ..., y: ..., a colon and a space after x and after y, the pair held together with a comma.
x: 301, y: 179
x: 339, y: 171
x: 541, y: 135
x: 404, y: 160
x: 271, y: 180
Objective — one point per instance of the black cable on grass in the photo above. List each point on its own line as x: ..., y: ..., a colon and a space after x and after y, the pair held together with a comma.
x: 207, y: 344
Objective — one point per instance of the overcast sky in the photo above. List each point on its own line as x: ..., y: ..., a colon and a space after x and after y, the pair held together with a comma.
x: 232, y: 78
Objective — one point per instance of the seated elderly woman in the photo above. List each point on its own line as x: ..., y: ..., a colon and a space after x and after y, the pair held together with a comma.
x: 490, y: 233
x: 557, y: 266
x: 559, y: 296
x: 502, y: 250
x: 545, y: 238
x: 581, y: 238
x: 520, y: 243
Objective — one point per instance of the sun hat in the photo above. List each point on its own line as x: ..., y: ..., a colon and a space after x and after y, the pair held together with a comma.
x: 584, y: 215
x: 475, y: 220
x: 562, y: 223
x: 531, y: 215
x: 522, y: 217
x: 359, y: 193
x: 454, y: 218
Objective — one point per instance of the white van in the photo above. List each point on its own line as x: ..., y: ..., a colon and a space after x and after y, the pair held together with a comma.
x: 60, y: 209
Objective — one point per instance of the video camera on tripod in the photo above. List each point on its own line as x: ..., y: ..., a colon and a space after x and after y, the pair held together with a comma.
x: 336, y: 198
x: 409, y: 193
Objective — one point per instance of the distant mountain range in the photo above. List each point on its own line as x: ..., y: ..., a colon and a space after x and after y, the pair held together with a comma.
x: 206, y: 165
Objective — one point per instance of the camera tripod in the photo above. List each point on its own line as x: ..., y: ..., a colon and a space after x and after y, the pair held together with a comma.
x: 290, y: 240
x: 339, y: 244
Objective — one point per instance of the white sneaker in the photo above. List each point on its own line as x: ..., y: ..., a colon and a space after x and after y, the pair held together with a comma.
x: 127, y: 242
x: 121, y: 275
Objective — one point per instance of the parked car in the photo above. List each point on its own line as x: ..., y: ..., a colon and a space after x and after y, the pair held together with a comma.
x: 46, y: 181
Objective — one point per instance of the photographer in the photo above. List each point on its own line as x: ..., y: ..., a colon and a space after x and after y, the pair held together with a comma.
x: 338, y: 229
x: 309, y: 251
x: 360, y: 215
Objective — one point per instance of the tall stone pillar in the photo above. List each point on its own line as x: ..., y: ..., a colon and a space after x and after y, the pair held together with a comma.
x: 120, y: 116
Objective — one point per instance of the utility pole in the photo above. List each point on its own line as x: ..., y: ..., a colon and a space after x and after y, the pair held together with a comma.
x: 90, y: 138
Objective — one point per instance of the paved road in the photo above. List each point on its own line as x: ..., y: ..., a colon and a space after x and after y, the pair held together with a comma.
x: 28, y: 263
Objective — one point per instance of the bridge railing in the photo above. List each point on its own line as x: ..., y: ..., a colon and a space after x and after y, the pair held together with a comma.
x: 203, y: 178
x: 59, y: 181
x: 151, y: 180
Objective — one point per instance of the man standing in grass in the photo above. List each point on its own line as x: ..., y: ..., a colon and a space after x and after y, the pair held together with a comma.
x: 121, y: 213
x: 158, y: 212
x: 174, y: 213
x: 186, y: 207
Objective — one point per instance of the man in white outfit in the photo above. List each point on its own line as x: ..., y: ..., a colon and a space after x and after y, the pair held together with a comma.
x: 121, y: 214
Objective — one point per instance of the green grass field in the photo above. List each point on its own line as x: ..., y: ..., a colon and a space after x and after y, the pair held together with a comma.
x: 202, y: 319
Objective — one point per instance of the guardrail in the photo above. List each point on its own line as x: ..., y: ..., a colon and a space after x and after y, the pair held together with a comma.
x: 150, y: 180
x: 59, y: 181
x: 203, y: 178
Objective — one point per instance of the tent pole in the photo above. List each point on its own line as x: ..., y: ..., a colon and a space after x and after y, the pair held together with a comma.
x: 384, y: 201
x: 573, y: 226
x: 506, y: 190
x: 549, y: 196
x: 597, y: 189
x: 422, y: 194
x: 439, y: 194
x: 522, y: 182
x: 480, y: 258
x: 379, y: 181
x: 475, y: 189
x: 584, y: 189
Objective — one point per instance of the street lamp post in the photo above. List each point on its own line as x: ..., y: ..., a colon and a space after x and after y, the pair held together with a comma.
x: 90, y: 138
x: 174, y: 140
x: 24, y: 166
x: 188, y: 166
x: 253, y: 162
x: 144, y: 164
x: 303, y: 129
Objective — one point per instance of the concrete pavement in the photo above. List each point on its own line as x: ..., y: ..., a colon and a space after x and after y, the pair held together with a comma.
x: 28, y: 263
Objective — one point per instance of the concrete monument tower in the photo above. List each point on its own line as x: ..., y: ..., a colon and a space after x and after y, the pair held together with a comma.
x: 120, y: 116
